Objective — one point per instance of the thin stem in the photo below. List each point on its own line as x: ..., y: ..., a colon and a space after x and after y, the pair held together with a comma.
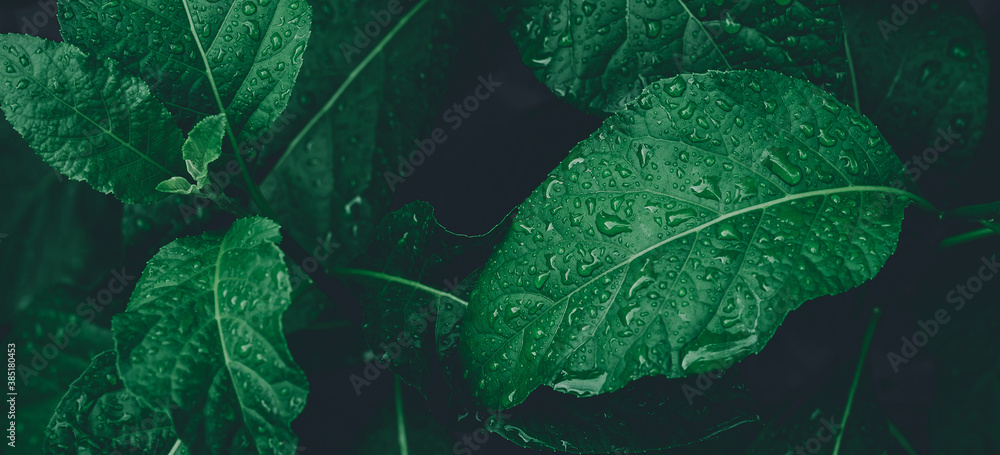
x: 854, y: 79
x: 255, y: 193
x: 900, y: 438
x: 869, y: 333
x: 404, y: 448
x: 350, y: 78
x: 966, y: 238
x: 396, y: 279
x: 176, y: 448
x: 924, y: 204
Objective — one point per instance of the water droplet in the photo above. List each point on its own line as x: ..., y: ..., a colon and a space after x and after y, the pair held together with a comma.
x: 249, y: 8
x: 611, y: 225
x: 778, y: 164
x: 960, y: 48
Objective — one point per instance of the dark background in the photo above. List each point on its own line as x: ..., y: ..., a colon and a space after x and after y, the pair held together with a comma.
x: 508, y: 146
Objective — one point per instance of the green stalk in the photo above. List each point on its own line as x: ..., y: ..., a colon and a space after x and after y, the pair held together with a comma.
x: 966, y: 238
x: 900, y: 438
x: 404, y: 448
x: 869, y: 333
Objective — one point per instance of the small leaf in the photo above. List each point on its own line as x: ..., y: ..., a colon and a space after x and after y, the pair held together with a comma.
x: 87, y: 119
x: 203, y: 146
x: 203, y: 332
x: 598, y: 55
x: 99, y: 415
x: 679, y: 235
x: 253, y: 50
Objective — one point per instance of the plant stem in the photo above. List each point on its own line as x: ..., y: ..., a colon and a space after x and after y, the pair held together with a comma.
x: 258, y: 198
x: 396, y: 279
x: 966, y: 238
x: 854, y: 79
x: 900, y: 438
x: 404, y: 448
x: 350, y: 78
x: 865, y: 344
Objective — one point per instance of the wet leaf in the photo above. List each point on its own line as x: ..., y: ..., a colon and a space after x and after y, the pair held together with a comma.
x: 203, y: 332
x: 87, y: 119
x: 99, y: 415
x: 679, y: 235
x: 203, y: 146
x: 598, y: 55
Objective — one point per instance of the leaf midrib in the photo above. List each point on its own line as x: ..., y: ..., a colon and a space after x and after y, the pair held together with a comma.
x: 218, y: 321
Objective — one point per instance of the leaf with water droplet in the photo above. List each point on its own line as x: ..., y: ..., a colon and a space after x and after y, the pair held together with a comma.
x: 203, y: 146
x: 609, y: 51
x: 659, y: 264
x: 180, y: 326
x: 112, y: 133
x: 128, y: 423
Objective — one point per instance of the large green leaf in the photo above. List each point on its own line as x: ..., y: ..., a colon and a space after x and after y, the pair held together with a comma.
x: 923, y: 80
x: 679, y: 235
x: 364, y: 116
x: 598, y: 55
x: 203, y: 332
x: 253, y: 50
x: 99, y: 415
x: 87, y: 119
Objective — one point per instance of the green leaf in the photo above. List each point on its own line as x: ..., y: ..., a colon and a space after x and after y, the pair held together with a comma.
x: 252, y: 51
x: 87, y: 119
x: 99, y: 415
x: 203, y: 331
x: 599, y: 55
x: 409, y: 284
x: 922, y: 81
x: 203, y: 146
x: 336, y: 177
x: 679, y: 235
